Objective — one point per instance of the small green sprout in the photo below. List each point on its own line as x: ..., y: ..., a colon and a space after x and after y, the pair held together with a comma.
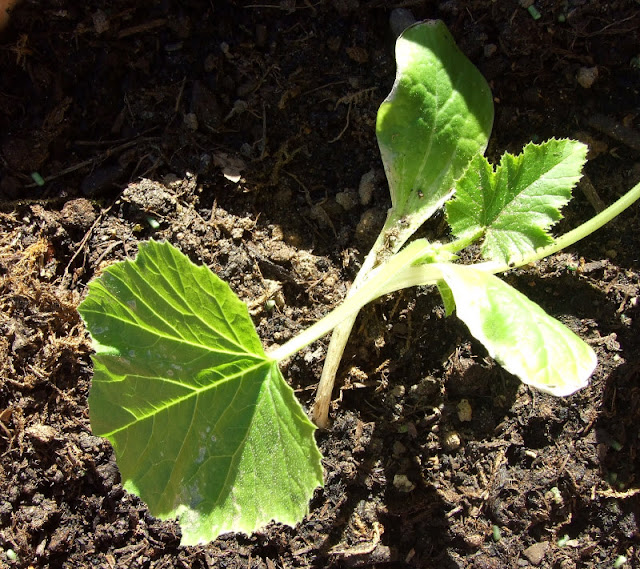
x: 153, y: 222
x: 37, y: 178
x: 202, y: 422
x: 535, y: 13
x: 620, y: 561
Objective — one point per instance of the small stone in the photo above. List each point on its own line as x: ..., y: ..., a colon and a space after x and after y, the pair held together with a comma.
x: 451, y: 441
x: 358, y: 54
x: 465, y: 413
x: 366, y: 187
x: 191, y: 121
x: 398, y: 390
x: 347, y: 200
x: 333, y: 43
x: 370, y: 224
x: 43, y: 434
x: 587, y: 76
x: 399, y: 449
x: 490, y: 50
x: 100, y: 22
x: 474, y: 540
x: 536, y: 552
x: 402, y: 483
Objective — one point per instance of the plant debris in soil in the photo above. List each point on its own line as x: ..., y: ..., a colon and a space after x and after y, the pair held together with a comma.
x: 243, y: 132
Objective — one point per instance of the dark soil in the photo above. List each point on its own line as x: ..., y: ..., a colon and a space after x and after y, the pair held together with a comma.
x: 142, y: 112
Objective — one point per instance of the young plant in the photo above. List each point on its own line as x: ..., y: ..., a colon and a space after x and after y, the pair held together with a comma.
x: 202, y: 422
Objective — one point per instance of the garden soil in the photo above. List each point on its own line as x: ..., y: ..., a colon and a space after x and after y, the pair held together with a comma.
x: 244, y: 134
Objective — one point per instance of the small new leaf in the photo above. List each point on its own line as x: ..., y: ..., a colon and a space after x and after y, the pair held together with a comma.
x: 515, y: 205
x: 518, y: 334
x: 202, y: 423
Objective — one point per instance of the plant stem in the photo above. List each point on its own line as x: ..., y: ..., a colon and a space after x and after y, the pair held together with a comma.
x: 379, y: 281
x: 573, y: 236
x: 423, y: 274
x: 396, y: 231
x: 587, y: 228
x: 320, y: 409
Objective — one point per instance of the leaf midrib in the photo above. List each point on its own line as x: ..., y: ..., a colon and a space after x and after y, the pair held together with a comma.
x: 193, y: 393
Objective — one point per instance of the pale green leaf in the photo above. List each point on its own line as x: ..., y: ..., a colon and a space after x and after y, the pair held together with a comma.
x: 447, y: 298
x: 515, y: 205
x: 203, y: 425
x: 438, y: 115
x: 518, y: 334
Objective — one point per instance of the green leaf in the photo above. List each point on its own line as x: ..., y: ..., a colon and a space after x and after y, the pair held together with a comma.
x: 438, y: 115
x: 203, y: 425
x: 515, y: 205
x: 518, y: 334
x: 447, y: 297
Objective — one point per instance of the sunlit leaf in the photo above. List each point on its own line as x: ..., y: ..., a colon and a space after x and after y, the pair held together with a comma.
x: 203, y: 425
x: 519, y: 334
x: 438, y: 115
x: 515, y: 205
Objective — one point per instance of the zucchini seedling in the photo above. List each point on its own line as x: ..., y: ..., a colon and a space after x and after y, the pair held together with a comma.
x: 202, y: 422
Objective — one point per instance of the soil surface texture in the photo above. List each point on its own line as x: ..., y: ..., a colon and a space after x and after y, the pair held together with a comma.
x: 243, y: 132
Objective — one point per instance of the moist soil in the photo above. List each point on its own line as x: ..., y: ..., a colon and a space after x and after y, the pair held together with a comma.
x: 243, y: 133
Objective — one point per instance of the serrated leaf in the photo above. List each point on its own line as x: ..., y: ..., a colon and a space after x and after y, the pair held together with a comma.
x: 438, y: 115
x: 203, y: 425
x: 516, y: 204
x: 518, y: 333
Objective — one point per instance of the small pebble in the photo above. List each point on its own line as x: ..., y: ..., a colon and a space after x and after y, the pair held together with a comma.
x: 402, y: 483
x: 191, y: 121
x: 398, y: 449
x: 451, y: 441
x: 587, y: 76
x: 43, y: 434
x: 398, y: 390
x: 366, y: 187
x: 347, y: 200
x: 490, y: 49
x: 465, y: 413
x: 536, y: 552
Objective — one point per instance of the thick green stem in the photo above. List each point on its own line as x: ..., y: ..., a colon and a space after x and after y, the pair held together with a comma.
x: 423, y: 274
x: 392, y: 237
x: 320, y: 409
x: 380, y: 279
